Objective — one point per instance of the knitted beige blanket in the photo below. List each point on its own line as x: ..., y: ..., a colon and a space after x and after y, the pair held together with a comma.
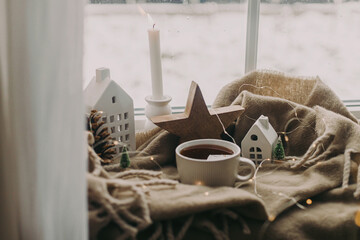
x: 311, y: 195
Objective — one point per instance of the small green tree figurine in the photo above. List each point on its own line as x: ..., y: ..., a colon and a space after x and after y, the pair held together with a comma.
x: 279, y: 152
x: 125, y: 159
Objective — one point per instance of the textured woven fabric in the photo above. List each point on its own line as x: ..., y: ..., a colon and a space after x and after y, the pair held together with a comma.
x: 287, y: 199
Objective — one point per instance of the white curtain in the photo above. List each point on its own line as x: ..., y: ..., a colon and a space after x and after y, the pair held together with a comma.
x: 42, y: 143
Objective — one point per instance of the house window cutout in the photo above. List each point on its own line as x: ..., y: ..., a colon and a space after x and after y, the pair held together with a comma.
x: 254, y: 137
x: 126, y: 115
x: 112, y: 130
x: 119, y: 128
x: 126, y: 126
x: 255, y: 153
x: 112, y: 118
x: 119, y: 139
x: 113, y: 99
x: 119, y: 117
x: 104, y: 119
x: 127, y: 137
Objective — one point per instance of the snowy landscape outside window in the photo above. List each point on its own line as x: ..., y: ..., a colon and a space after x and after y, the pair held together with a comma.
x: 313, y: 39
x: 204, y: 41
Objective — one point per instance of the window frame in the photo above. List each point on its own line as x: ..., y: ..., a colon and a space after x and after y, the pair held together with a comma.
x: 251, y: 50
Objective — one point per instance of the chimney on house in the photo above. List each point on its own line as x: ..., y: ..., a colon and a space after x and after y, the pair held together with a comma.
x: 264, y: 121
x: 102, y: 74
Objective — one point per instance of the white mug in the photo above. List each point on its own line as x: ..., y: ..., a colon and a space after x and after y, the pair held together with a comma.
x: 218, y: 171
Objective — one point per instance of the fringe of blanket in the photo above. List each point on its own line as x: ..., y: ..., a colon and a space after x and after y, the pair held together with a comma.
x: 219, y: 230
x: 119, y: 198
x: 346, y: 174
x: 316, y: 156
x: 322, y: 148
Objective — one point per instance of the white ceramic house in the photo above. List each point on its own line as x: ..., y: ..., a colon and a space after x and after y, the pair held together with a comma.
x: 104, y: 94
x: 259, y: 142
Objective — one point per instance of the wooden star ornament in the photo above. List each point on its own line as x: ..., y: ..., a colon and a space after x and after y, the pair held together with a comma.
x: 198, y: 121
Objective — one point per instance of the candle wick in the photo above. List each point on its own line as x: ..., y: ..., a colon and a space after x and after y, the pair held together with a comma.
x: 154, y: 26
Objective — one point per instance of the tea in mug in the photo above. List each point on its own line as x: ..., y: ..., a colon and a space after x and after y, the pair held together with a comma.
x: 202, y: 152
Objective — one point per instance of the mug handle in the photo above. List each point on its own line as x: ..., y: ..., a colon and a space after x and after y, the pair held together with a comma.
x: 252, y: 167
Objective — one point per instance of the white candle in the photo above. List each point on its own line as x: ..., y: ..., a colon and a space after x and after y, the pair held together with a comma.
x: 155, y: 62
x: 252, y: 35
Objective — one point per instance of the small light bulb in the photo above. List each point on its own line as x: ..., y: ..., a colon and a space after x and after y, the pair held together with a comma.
x: 271, y: 218
x: 199, y: 183
x: 357, y: 218
x: 309, y: 201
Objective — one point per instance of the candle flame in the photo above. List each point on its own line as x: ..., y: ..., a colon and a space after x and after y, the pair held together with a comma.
x: 151, y: 20
x: 141, y: 10
x: 144, y: 13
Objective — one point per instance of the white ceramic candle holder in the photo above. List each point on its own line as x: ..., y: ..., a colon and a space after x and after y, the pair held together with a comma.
x: 156, y: 107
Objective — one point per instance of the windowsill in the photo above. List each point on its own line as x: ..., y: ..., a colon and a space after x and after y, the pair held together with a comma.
x: 352, y: 105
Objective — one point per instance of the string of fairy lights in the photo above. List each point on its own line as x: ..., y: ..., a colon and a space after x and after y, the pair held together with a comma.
x: 256, y: 176
x: 317, y: 146
x: 286, y: 138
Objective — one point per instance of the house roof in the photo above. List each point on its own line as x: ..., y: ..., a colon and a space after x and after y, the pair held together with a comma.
x: 97, y: 86
x: 94, y: 90
x: 263, y: 124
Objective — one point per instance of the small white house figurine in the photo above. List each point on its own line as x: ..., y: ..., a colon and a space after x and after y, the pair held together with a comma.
x: 104, y: 94
x: 259, y: 142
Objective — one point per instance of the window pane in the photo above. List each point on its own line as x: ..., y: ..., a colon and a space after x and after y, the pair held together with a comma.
x: 199, y: 42
x: 310, y: 38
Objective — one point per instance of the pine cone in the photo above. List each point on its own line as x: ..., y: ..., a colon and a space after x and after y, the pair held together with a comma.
x: 103, y: 145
